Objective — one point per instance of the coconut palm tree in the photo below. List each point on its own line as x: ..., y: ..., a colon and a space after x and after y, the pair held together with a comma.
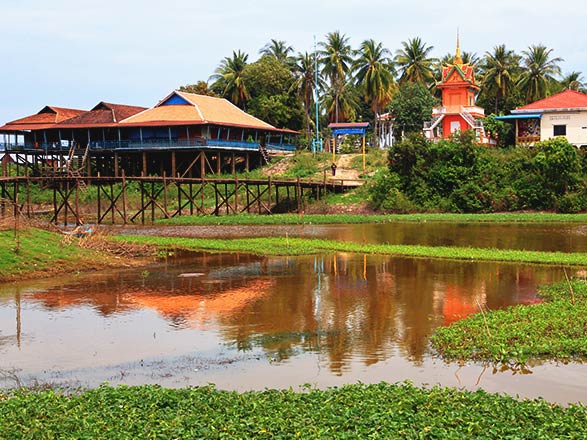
x: 414, y: 62
x: 341, y: 102
x: 541, y: 70
x: 573, y: 81
x: 279, y: 50
x: 374, y: 74
x: 228, y: 78
x: 336, y: 60
x: 305, y: 84
x: 500, y: 70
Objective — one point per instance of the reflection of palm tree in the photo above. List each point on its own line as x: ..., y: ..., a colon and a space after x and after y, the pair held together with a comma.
x: 535, y: 82
x: 336, y: 61
x: 414, y: 62
x: 500, y: 68
x: 279, y: 50
x: 229, y: 78
x: 374, y: 74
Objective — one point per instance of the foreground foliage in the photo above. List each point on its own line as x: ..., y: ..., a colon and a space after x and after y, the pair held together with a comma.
x: 353, y: 411
x: 556, y: 329
x: 307, y: 246
x: 458, y: 175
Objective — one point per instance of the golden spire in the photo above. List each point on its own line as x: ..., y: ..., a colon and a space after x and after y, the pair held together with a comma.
x: 458, y: 60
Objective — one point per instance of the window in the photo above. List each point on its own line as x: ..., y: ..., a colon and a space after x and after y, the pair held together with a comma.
x: 560, y: 130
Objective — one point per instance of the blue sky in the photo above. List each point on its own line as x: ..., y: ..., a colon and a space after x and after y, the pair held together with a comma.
x: 75, y: 54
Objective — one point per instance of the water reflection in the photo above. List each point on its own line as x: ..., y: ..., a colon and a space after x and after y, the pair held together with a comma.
x: 343, y: 307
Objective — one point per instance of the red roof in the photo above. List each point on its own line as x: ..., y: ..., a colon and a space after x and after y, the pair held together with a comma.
x: 102, y: 114
x: 569, y: 99
x: 45, y: 118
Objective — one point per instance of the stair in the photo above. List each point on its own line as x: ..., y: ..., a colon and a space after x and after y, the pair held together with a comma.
x: 264, y: 153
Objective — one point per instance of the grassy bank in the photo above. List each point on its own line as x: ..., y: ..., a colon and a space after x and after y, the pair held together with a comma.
x: 295, y: 219
x: 35, y: 252
x: 305, y: 246
x: 556, y: 329
x: 353, y: 411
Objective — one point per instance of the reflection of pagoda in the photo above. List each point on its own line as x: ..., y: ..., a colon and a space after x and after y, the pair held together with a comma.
x: 458, y: 111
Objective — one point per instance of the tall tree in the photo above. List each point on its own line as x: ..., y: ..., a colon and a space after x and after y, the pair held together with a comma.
x: 541, y: 70
x: 279, y: 50
x: 411, y: 106
x: 414, y: 62
x: 374, y: 75
x: 500, y: 70
x: 305, y: 85
x: 229, y: 81
x: 573, y: 81
x: 272, y: 99
x: 336, y: 59
x: 199, y: 88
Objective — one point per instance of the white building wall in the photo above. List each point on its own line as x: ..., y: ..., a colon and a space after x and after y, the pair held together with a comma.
x: 575, y: 122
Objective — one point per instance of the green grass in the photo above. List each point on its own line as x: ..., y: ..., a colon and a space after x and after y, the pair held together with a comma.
x: 350, y: 412
x: 39, y: 251
x: 307, y: 246
x: 556, y: 329
x: 289, y: 219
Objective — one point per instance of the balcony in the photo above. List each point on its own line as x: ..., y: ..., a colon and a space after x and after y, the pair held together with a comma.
x: 153, y: 144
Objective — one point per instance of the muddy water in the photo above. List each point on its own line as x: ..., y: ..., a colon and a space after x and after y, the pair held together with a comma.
x: 247, y: 322
x: 541, y: 237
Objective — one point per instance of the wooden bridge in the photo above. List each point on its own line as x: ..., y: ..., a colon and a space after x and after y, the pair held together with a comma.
x: 125, y: 200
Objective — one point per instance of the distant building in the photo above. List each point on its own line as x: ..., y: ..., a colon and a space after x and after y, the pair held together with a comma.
x: 180, y: 120
x: 563, y: 114
x: 458, y: 111
x: 184, y: 134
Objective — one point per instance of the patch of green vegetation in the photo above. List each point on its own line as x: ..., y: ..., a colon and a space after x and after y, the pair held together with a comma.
x: 306, y: 246
x: 551, y: 330
x: 35, y: 250
x: 306, y: 219
x: 352, y: 411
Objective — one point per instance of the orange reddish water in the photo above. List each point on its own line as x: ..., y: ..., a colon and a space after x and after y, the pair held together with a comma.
x: 246, y: 322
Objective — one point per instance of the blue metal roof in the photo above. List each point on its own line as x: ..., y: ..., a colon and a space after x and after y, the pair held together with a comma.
x: 520, y: 116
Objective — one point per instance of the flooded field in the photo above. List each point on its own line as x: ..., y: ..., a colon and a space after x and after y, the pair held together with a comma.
x: 529, y: 236
x: 245, y: 322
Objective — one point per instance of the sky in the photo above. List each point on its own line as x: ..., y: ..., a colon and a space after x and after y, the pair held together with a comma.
x: 77, y: 53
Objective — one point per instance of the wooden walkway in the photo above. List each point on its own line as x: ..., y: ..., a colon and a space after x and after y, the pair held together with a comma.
x: 140, y: 200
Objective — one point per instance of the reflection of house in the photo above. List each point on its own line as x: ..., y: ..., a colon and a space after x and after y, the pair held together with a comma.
x: 563, y: 114
x: 458, y: 111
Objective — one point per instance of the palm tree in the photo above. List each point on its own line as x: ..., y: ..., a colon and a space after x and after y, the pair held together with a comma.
x: 500, y: 69
x: 415, y: 64
x: 336, y: 60
x: 342, y: 102
x: 374, y: 73
x: 305, y: 84
x: 573, y: 81
x: 535, y: 81
x: 228, y: 78
x: 279, y: 50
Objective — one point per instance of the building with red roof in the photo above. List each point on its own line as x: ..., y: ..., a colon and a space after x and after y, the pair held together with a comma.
x: 180, y: 120
x: 458, y: 111
x: 563, y: 114
x: 183, y: 134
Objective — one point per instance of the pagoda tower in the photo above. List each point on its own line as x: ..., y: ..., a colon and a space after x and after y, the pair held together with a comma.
x: 458, y: 111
